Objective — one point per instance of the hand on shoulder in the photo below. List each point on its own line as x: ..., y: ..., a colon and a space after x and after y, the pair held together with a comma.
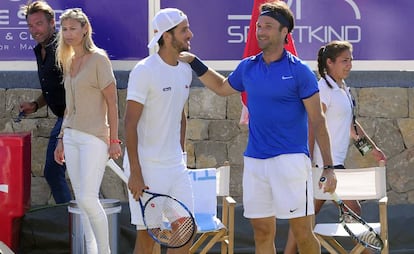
x: 186, y: 56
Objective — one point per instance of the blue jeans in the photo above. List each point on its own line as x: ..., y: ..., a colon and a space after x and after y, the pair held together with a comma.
x: 55, y: 173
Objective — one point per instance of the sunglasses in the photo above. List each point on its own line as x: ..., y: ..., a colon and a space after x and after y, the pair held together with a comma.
x: 19, y: 117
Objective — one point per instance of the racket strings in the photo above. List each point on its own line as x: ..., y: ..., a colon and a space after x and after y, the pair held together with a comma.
x: 368, y: 238
x: 169, y: 222
x: 183, y: 231
x: 371, y: 238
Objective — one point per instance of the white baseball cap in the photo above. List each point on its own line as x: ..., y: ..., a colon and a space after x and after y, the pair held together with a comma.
x: 163, y: 21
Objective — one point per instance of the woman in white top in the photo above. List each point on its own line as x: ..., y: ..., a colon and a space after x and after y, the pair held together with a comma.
x: 334, y: 66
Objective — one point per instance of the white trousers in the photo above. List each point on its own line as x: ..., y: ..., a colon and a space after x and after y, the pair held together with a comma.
x: 86, y: 157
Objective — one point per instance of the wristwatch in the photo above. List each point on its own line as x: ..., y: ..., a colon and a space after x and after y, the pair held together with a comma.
x: 328, y: 167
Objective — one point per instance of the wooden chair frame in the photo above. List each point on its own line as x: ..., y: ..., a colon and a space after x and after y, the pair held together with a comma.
x: 225, y: 235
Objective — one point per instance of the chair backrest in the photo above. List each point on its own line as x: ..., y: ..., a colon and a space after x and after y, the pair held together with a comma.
x: 205, y: 187
x: 204, y: 190
x: 223, y: 180
x: 354, y: 184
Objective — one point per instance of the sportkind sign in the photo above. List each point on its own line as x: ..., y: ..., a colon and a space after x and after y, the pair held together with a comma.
x: 221, y: 26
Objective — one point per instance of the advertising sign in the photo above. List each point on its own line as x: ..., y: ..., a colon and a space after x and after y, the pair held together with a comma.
x: 120, y: 27
x: 378, y: 29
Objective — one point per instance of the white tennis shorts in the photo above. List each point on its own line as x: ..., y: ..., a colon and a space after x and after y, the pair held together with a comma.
x: 171, y: 181
x: 280, y: 186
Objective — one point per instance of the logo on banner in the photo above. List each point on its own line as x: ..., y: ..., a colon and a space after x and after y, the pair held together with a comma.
x: 303, y: 33
x: 15, y: 38
x: 334, y: 30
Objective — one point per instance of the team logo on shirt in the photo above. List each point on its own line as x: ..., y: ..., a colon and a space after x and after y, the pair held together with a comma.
x: 169, y: 88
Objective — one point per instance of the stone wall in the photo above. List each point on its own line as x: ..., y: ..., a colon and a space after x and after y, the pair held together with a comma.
x: 215, y: 136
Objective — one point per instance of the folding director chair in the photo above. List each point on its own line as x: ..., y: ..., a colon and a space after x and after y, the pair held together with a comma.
x: 354, y: 184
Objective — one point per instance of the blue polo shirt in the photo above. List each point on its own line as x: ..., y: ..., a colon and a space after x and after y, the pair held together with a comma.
x: 278, y: 121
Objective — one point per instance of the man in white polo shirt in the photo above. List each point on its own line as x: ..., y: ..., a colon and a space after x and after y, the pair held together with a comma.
x: 155, y: 121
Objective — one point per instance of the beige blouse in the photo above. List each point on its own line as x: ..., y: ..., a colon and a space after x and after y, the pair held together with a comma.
x: 86, y: 108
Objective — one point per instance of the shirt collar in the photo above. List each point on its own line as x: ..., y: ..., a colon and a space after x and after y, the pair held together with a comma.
x: 332, y: 81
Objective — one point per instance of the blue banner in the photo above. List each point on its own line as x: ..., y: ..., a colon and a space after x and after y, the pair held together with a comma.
x: 378, y: 29
x: 120, y: 27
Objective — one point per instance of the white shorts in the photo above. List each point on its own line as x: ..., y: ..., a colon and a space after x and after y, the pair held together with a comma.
x: 280, y: 186
x: 172, y: 181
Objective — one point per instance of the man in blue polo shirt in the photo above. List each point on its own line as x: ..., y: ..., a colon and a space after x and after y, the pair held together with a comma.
x: 282, y: 96
x: 41, y: 21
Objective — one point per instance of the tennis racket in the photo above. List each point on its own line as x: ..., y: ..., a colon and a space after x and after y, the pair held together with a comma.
x: 367, y: 237
x: 167, y: 220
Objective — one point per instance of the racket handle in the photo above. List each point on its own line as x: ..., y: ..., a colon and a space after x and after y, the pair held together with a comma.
x: 117, y: 170
x: 334, y: 196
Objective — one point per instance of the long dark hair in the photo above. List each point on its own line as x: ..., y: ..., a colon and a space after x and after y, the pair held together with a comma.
x: 330, y: 51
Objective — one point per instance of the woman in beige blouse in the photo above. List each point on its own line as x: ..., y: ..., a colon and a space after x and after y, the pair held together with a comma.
x: 89, y: 132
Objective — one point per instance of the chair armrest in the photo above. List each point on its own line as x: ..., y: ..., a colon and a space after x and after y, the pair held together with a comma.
x: 227, y: 214
x: 383, y: 200
x: 228, y: 211
x: 383, y: 216
x: 230, y: 201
